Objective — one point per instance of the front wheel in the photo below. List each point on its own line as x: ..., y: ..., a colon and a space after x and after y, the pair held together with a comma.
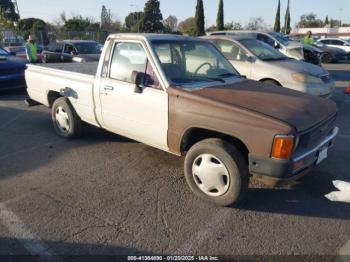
x: 326, y: 58
x: 217, y: 172
x: 65, y: 120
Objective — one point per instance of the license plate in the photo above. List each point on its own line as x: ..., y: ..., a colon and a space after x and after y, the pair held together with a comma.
x: 322, y: 155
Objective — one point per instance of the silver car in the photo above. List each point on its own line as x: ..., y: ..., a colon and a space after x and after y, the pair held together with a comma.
x: 261, y: 62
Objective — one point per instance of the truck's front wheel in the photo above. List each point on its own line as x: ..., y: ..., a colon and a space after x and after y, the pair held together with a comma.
x: 217, y: 172
x: 65, y: 120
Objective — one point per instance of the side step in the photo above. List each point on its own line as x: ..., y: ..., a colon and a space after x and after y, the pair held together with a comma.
x: 30, y: 102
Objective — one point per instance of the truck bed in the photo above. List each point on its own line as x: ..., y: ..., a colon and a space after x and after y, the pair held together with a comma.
x: 81, y: 68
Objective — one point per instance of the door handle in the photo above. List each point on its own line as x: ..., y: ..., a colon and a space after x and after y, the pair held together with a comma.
x: 108, y: 88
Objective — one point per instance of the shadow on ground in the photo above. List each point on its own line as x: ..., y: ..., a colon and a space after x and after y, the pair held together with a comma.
x: 66, y: 252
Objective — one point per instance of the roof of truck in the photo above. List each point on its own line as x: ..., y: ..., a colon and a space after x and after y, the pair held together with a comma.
x: 152, y: 37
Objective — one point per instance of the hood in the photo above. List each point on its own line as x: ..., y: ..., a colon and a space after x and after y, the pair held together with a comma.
x: 302, y: 111
x: 11, y: 62
x: 294, y: 45
x: 90, y: 57
x: 300, y: 67
x: 334, y: 50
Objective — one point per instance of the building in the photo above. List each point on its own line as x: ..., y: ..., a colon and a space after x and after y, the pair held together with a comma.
x: 340, y: 32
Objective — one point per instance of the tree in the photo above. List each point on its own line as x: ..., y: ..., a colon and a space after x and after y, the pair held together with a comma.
x: 233, y: 26
x: 8, y: 13
x: 287, y: 28
x: 277, y: 27
x: 170, y: 24
x: 152, y: 18
x: 256, y: 24
x: 220, y: 18
x: 133, y: 21
x: 188, y: 26
x: 80, y: 24
x: 326, y: 22
x: 199, y: 18
x: 27, y: 24
x: 106, y: 19
x: 310, y: 21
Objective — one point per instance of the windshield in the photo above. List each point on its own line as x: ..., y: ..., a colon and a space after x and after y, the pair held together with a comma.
x: 281, y: 38
x: 262, y: 51
x: 88, y: 48
x: 190, y: 62
x: 3, y: 52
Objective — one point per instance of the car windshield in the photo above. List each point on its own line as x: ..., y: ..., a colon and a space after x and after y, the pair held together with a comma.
x: 262, y: 51
x: 3, y: 52
x: 88, y: 48
x: 193, y: 62
x: 281, y: 38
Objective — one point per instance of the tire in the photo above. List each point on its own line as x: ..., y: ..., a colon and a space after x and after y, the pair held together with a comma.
x: 271, y: 82
x: 229, y: 172
x: 326, y: 58
x: 65, y: 120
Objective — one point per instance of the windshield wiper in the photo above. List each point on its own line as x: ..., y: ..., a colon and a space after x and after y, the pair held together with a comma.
x: 211, y: 78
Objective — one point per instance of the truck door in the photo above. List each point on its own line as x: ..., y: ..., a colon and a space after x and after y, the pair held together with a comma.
x: 140, y: 116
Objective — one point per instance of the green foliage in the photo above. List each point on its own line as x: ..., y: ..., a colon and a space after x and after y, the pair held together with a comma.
x: 133, y: 21
x: 8, y: 13
x: 152, y: 18
x: 287, y: 27
x: 188, y: 26
x: 106, y: 19
x: 277, y: 27
x: 27, y: 24
x: 220, y: 18
x: 233, y: 26
x: 200, y: 19
x: 310, y: 21
x: 78, y: 23
x: 326, y: 22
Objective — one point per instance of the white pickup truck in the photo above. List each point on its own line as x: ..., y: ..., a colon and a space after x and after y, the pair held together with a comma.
x: 181, y: 95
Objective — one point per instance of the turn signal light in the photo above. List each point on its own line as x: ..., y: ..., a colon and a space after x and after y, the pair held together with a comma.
x: 283, y: 147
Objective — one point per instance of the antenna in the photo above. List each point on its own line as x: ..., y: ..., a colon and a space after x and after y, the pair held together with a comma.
x: 16, y: 6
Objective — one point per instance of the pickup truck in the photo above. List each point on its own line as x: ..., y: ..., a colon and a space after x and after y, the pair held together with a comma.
x: 181, y: 95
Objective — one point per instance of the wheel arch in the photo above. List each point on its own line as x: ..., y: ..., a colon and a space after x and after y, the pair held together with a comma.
x: 270, y: 79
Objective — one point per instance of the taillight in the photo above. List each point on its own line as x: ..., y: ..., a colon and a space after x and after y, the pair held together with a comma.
x: 283, y: 147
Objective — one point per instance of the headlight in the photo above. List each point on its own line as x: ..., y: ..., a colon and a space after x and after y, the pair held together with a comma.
x: 304, y: 78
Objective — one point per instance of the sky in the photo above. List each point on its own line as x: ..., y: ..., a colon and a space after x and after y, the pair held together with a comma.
x: 235, y: 10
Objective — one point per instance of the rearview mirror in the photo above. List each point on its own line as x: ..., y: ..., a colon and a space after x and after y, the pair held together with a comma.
x: 137, y: 79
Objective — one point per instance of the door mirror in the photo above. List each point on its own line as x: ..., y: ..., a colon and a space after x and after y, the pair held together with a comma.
x: 137, y: 79
x: 276, y: 45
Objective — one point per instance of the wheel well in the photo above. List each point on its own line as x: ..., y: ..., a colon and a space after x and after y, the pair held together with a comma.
x: 270, y: 79
x: 194, y: 135
x: 52, y: 96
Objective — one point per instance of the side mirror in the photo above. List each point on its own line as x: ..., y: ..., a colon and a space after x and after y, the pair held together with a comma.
x: 276, y: 45
x: 137, y: 78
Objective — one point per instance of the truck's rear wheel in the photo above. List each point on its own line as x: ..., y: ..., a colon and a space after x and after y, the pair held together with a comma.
x: 217, y: 172
x: 65, y: 120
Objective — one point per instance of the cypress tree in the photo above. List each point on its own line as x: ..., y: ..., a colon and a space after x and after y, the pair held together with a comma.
x: 152, y: 19
x: 199, y: 18
x: 277, y: 27
x: 326, y: 22
x: 220, y: 18
x: 287, y: 28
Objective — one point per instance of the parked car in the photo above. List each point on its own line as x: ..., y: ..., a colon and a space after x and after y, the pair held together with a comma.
x: 336, y: 42
x: 11, y: 71
x: 261, y: 62
x: 72, y: 51
x: 331, y: 54
x: 313, y: 55
x: 184, y: 97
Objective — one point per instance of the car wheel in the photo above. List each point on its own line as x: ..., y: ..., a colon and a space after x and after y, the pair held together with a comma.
x: 326, y: 58
x: 217, y: 172
x: 65, y: 120
x: 271, y: 82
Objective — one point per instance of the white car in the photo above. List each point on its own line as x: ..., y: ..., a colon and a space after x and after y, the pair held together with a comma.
x: 336, y: 42
x: 259, y: 61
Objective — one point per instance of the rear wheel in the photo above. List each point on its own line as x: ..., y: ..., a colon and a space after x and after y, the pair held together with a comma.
x: 217, y: 172
x: 271, y: 82
x: 65, y: 120
x: 326, y: 58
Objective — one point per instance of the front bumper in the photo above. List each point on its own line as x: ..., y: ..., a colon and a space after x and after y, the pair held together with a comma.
x: 286, y: 170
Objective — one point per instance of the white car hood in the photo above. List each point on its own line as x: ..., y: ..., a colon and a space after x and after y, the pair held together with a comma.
x: 300, y: 67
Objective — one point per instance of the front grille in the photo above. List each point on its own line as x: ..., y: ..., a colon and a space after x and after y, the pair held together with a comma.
x: 326, y: 78
x: 317, y: 134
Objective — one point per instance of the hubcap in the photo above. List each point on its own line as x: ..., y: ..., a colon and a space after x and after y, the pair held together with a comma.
x: 210, y: 175
x: 62, y: 119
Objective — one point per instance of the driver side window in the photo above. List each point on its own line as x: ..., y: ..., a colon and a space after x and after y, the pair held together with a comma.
x: 231, y: 50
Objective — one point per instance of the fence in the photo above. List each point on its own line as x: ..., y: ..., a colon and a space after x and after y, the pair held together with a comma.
x: 9, y: 38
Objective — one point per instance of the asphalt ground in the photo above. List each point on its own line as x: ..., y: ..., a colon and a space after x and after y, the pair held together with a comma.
x: 106, y: 195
